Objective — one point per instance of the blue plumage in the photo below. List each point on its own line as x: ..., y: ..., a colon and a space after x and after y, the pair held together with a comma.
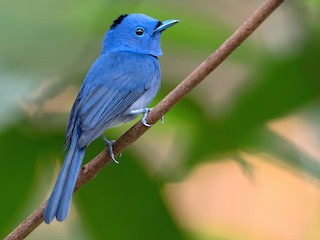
x: 121, y: 82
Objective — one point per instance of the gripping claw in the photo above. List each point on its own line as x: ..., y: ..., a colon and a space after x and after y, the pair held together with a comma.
x: 145, y: 112
x: 144, y: 117
x: 109, y: 144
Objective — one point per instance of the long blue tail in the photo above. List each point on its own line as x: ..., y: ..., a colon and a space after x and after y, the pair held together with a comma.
x: 60, y: 199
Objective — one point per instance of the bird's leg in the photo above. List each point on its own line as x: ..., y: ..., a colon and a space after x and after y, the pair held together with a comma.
x: 109, y: 144
x: 145, y: 112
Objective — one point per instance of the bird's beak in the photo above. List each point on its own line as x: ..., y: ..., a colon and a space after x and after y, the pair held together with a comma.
x: 165, y: 24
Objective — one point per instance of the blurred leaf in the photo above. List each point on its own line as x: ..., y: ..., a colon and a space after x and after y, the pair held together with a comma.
x: 269, y: 142
x: 21, y: 147
x: 123, y: 203
x: 281, y: 87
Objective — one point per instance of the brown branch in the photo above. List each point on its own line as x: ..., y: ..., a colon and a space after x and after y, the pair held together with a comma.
x: 91, y: 169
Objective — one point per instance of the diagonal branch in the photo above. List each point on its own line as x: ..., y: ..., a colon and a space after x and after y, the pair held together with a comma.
x: 91, y: 169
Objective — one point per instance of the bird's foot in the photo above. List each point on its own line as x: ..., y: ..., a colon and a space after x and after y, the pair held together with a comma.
x: 145, y: 112
x: 109, y: 144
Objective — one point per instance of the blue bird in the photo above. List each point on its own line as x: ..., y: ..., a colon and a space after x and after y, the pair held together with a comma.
x: 119, y: 86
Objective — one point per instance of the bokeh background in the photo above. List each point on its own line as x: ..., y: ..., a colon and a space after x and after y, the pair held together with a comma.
x: 236, y: 159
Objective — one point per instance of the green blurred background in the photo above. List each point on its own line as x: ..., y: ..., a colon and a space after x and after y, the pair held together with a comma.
x: 236, y: 159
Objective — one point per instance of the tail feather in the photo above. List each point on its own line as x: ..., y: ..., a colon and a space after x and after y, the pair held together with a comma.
x: 66, y: 196
x: 60, y: 199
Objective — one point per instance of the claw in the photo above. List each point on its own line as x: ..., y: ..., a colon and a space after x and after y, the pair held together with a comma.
x: 145, y: 112
x: 162, y: 120
x: 144, y: 117
x: 109, y: 144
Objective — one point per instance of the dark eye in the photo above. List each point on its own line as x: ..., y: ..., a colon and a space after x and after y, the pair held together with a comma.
x: 139, y: 31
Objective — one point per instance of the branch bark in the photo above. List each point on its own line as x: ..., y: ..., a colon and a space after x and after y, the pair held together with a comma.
x: 91, y: 169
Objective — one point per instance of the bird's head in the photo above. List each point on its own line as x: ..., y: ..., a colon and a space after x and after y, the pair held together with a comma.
x: 136, y: 33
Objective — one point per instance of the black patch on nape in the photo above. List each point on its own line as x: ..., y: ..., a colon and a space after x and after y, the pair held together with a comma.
x: 118, y: 21
x: 158, y: 24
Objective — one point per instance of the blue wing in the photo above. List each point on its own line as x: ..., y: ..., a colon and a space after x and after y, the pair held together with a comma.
x: 115, y: 84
